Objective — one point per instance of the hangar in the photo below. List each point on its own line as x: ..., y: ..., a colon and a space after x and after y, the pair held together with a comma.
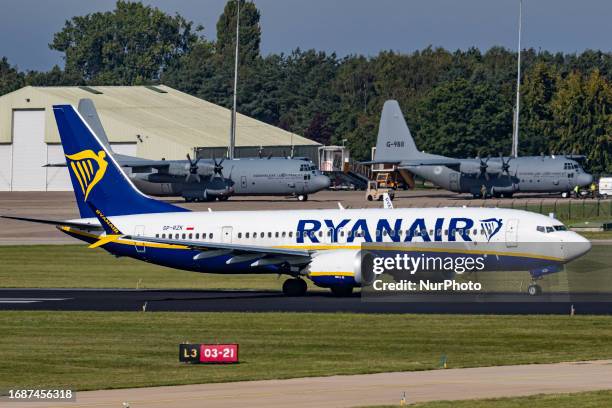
x: 153, y: 122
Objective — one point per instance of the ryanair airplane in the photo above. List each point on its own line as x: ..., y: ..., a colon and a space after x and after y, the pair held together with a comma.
x: 321, y: 245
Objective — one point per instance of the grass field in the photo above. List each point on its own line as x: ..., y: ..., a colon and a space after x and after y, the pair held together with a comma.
x: 92, y: 350
x: 592, y: 399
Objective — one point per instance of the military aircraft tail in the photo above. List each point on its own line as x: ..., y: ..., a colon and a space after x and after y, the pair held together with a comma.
x: 88, y: 111
x: 96, y: 177
x: 394, y: 142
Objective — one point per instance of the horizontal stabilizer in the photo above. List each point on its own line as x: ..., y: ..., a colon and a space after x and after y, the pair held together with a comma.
x: 58, y: 223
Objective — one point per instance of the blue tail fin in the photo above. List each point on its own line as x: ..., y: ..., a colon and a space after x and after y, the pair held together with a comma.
x: 96, y: 176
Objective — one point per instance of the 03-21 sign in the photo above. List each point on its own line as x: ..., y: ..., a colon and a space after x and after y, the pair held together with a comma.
x: 208, y: 353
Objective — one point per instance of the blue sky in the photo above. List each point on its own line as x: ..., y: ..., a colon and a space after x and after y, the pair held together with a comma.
x: 343, y: 26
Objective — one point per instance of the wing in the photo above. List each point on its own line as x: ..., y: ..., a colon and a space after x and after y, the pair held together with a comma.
x: 74, y: 224
x: 240, y: 253
x: 407, y: 164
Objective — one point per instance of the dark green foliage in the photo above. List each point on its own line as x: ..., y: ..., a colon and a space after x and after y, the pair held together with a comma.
x: 10, y: 77
x: 127, y: 46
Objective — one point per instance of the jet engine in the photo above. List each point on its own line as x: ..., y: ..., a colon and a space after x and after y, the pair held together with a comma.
x: 340, y: 267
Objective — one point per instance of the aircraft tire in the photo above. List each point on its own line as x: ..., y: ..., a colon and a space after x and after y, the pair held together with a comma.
x: 223, y: 198
x: 370, y: 198
x: 302, y: 197
x: 564, y: 194
x: 534, y: 290
x: 294, y: 287
x: 341, y: 290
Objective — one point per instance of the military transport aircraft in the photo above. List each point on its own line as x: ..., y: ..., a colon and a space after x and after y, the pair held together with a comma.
x: 206, y: 180
x: 321, y: 245
x: 493, y: 176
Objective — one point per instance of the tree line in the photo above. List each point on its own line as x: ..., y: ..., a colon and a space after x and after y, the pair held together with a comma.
x: 457, y: 103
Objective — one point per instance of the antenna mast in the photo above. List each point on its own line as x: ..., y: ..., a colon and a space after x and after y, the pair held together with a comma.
x: 515, y: 134
x: 233, y: 123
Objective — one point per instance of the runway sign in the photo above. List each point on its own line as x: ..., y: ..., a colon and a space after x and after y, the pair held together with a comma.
x: 208, y: 353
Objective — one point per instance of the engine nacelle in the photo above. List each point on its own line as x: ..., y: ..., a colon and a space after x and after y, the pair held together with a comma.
x: 339, y: 267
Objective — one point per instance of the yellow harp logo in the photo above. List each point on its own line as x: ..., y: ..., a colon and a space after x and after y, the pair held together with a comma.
x: 88, y: 168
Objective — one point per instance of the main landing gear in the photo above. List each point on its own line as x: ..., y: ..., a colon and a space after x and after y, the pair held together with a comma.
x: 534, y: 289
x: 302, y: 197
x: 294, y: 287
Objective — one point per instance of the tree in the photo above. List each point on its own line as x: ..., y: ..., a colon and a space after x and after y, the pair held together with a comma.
x: 536, y: 130
x: 10, y: 78
x: 250, y: 32
x: 582, y: 110
x: 461, y: 119
x: 130, y: 45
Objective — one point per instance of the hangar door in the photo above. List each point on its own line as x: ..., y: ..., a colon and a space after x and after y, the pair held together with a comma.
x: 29, y: 150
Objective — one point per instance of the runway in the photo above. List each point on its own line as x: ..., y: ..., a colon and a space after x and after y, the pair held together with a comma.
x: 360, y: 390
x: 273, y: 301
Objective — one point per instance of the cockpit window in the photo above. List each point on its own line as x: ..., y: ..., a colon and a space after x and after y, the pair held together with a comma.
x: 547, y: 229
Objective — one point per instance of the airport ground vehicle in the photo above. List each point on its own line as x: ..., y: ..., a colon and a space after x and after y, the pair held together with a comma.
x: 375, y: 191
x: 605, y: 186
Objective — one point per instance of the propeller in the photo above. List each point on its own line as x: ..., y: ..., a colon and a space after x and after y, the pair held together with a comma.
x: 218, y: 170
x: 483, y: 167
x: 193, y: 169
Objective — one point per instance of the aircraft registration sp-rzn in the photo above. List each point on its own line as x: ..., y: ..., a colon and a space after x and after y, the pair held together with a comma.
x: 321, y: 245
x: 495, y: 176
x: 207, y: 180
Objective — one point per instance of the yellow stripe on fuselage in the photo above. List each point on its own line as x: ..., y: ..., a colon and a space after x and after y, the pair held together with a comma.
x: 324, y: 247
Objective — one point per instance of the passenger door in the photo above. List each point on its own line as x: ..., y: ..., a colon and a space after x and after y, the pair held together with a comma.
x: 512, y: 233
x: 454, y: 181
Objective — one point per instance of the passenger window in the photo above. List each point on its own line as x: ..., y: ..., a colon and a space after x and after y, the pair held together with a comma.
x: 269, y: 235
x: 284, y: 233
x: 156, y: 235
x: 190, y: 236
x: 240, y: 235
x: 210, y: 236
x: 263, y: 234
x: 290, y: 234
x: 276, y: 234
x: 198, y: 235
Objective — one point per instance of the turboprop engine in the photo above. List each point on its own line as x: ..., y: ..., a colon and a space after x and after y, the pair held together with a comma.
x: 342, y: 267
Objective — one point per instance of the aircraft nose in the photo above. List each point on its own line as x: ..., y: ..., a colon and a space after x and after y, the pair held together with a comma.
x: 576, y: 247
x: 322, y: 182
x: 584, y: 179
